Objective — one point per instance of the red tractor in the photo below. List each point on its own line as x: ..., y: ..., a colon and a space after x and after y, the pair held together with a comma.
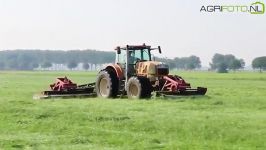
x: 135, y: 74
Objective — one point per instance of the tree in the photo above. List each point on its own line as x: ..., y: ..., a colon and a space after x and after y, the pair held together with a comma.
x: 170, y: 62
x: 188, y: 63
x: 242, y: 62
x: 46, y: 65
x: 12, y: 64
x: 2, y: 65
x: 193, y: 62
x: 25, y: 59
x: 259, y: 63
x: 235, y: 64
x: 85, y: 66
x: 24, y: 65
x: 177, y: 63
x: 71, y: 65
x: 222, y: 63
x: 229, y: 58
x: 34, y: 65
x: 217, y: 59
x: 222, y: 67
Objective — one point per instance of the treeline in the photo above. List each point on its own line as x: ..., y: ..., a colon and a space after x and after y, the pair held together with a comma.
x: 184, y: 63
x: 30, y: 59
x: 220, y: 63
x: 224, y: 63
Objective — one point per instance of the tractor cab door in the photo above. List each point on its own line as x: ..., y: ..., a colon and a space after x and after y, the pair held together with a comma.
x: 121, y: 59
x: 127, y: 59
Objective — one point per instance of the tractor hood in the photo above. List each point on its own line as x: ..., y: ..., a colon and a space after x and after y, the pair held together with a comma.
x: 148, y: 68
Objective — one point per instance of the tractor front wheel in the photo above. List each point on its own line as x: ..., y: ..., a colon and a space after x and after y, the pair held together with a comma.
x: 106, y: 84
x: 138, y: 87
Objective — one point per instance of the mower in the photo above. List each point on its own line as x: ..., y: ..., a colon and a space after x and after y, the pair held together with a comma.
x: 134, y: 74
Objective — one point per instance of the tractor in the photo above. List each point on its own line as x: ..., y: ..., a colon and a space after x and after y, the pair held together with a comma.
x: 136, y: 75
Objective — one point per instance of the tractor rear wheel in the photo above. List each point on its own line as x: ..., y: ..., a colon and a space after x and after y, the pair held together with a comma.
x: 106, y: 84
x: 138, y: 87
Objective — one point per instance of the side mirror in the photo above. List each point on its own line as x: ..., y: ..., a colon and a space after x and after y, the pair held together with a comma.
x: 118, y: 50
x: 159, y: 48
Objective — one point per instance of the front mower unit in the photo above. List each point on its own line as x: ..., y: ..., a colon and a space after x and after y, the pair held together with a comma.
x: 176, y: 85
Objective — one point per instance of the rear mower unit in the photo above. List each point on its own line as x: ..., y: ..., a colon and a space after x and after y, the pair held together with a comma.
x: 65, y: 88
x: 134, y: 74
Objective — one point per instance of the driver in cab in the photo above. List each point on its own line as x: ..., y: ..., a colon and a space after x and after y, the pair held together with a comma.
x: 132, y: 59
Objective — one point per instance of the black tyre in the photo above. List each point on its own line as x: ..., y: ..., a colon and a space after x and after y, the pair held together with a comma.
x: 106, y: 84
x: 138, y: 87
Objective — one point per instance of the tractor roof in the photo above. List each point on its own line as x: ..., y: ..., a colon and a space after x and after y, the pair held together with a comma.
x: 135, y: 47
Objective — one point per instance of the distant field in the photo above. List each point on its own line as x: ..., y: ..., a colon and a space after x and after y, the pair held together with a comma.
x: 231, y: 116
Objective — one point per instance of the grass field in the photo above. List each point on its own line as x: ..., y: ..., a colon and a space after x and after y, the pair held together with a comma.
x: 231, y: 116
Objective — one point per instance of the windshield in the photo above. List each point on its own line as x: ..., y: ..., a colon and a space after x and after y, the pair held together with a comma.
x: 134, y: 56
x: 139, y: 55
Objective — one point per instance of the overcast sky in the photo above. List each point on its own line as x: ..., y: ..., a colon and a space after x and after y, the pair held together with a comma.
x: 178, y: 26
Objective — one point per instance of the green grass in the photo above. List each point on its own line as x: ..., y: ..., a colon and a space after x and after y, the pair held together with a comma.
x: 231, y: 116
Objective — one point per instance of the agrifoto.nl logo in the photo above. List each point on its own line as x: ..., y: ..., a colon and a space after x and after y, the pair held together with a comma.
x: 253, y: 8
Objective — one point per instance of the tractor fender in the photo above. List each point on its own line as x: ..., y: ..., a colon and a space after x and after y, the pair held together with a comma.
x: 117, y: 69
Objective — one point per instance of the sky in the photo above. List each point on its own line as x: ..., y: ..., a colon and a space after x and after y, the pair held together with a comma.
x: 177, y: 26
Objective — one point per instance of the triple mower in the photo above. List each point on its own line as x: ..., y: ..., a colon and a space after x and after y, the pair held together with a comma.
x: 134, y: 74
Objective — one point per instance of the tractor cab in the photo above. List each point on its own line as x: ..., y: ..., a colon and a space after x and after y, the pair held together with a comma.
x: 133, y: 53
x: 130, y: 58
